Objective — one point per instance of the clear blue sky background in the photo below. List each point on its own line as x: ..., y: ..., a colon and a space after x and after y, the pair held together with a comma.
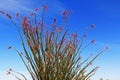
x: 105, y: 14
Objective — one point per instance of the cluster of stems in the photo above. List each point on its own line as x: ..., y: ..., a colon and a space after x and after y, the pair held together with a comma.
x: 51, y: 52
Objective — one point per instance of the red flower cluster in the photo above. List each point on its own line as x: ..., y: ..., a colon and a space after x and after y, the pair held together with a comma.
x: 36, y: 9
x: 60, y: 28
x: 45, y: 6
x: 17, y: 14
x: 25, y: 22
x: 107, y: 47
x: 92, y: 25
x: 24, y: 18
x: 9, y: 16
x: 65, y: 12
x: 21, y: 53
x: 54, y: 19
x: 9, y: 47
x: 54, y: 25
x: 92, y: 41
x: 74, y: 35
x: 31, y: 14
x: 9, y: 71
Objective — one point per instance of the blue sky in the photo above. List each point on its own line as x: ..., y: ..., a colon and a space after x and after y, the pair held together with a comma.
x: 105, y: 14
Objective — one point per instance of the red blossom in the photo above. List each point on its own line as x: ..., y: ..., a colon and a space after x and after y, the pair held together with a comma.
x: 54, y: 19
x: 9, y: 47
x: 55, y: 25
x: 45, y: 6
x: 8, y: 72
x: 10, y: 69
x: 21, y: 53
x: 60, y: 28
x: 92, y: 25
x: 9, y: 16
x: 36, y: 46
x: 65, y: 12
x: 31, y: 14
x: 92, y: 41
x: 25, y: 22
x: 36, y: 9
x: 74, y: 35
x: 17, y: 14
x: 24, y: 18
x: 107, y: 47
x: 39, y: 22
x: 70, y: 47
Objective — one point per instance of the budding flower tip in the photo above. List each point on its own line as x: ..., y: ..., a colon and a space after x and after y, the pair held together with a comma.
x: 92, y: 25
x: 10, y: 69
x: 45, y: 6
x: 107, y: 47
x: 9, y: 47
x: 92, y: 41
x: 36, y: 9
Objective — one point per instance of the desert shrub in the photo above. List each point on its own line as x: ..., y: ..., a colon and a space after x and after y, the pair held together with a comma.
x: 50, y: 51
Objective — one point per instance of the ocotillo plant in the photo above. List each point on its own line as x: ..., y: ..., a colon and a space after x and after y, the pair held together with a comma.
x: 49, y: 52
